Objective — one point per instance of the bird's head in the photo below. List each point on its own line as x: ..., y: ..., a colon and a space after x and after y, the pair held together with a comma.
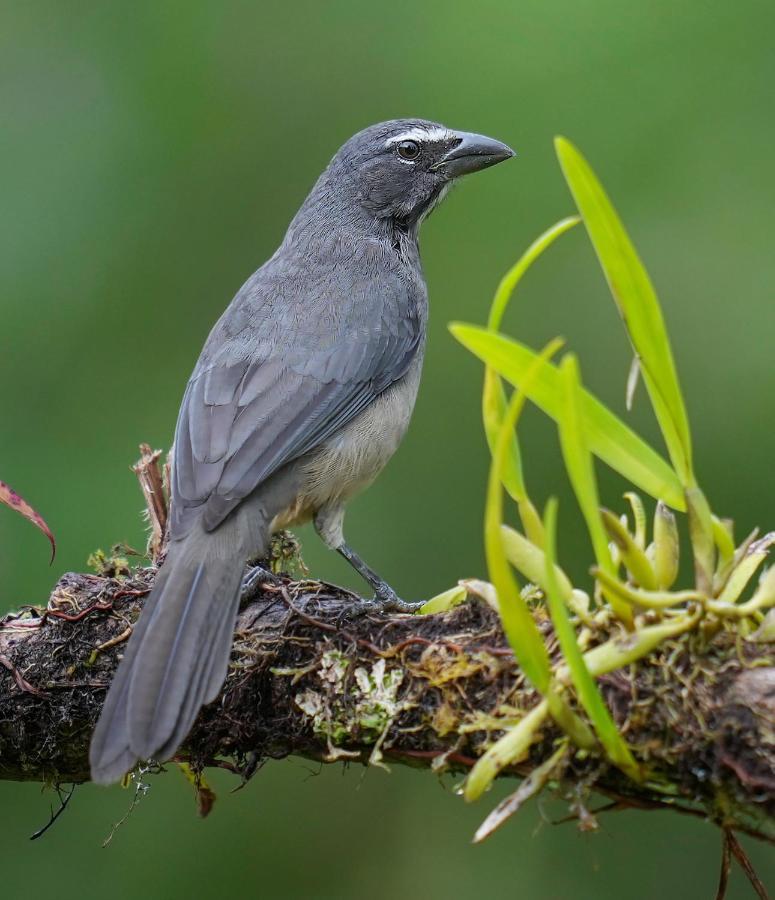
x: 401, y: 169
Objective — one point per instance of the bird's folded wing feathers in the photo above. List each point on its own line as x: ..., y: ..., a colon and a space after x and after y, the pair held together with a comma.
x: 242, y: 419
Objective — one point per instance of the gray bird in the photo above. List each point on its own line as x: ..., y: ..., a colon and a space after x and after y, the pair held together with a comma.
x: 303, y: 391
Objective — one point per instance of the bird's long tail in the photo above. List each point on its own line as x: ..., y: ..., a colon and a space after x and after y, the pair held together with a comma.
x: 177, y: 657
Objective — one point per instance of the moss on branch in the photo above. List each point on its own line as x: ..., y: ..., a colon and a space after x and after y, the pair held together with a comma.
x: 436, y: 691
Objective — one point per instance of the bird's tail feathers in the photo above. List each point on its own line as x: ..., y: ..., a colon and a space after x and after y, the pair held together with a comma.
x: 176, y: 659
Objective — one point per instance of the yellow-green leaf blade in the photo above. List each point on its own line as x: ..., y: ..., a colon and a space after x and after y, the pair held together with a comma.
x: 494, y: 399
x: 512, y: 278
x: 635, y: 560
x: 509, y: 749
x: 589, y: 695
x: 494, y: 405
x: 580, y: 468
x: 636, y: 300
x: 530, y: 560
x: 444, y: 601
x: 609, y: 438
x: 518, y: 624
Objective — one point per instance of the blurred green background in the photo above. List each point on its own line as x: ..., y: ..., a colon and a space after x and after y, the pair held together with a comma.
x: 151, y: 155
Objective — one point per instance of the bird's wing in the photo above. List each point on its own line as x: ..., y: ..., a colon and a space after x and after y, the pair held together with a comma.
x: 245, y: 416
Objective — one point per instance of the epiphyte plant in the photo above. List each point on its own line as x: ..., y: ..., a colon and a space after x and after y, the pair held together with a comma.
x: 633, y: 602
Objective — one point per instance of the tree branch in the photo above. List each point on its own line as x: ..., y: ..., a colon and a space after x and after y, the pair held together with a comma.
x: 308, y: 678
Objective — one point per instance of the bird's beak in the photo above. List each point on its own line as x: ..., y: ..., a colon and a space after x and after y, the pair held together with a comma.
x: 472, y: 153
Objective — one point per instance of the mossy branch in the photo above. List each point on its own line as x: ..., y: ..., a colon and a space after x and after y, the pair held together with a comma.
x: 433, y: 691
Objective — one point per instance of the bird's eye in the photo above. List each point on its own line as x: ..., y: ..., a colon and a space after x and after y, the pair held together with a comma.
x: 408, y: 150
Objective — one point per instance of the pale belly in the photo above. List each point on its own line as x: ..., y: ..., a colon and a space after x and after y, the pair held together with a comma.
x: 352, y: 459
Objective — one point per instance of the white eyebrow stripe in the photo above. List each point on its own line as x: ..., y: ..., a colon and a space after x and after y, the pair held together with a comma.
x: 421, y: 134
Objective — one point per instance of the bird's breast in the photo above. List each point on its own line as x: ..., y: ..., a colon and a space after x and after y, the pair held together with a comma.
x: 350, y: 460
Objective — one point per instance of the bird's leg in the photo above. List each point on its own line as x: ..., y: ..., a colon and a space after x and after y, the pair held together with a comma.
x: 328, y: 523
x: 384, y: 596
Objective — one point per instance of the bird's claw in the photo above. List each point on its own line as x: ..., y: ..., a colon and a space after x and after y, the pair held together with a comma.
x: 387, y: 600
x: 397, y: 605
x: 384, y: 601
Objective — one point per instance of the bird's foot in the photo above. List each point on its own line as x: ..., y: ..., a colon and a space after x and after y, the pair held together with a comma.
x: 386, y: 600
x: 397, y: 605
x: 256, y: 578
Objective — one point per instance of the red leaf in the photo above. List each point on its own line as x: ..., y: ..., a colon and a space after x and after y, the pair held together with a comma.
x: 9, y: 496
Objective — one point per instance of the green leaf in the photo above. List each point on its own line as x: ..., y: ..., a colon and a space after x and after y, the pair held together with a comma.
x: 702, y: 538
x: 579, y: 464
x: 666, y: 547
x: 529, y: 787
x: 445, y: 601
x: 723, y: 536
x: 530, y: 560
x: 638, y: 597
x: 518, y: 624
x: 637, y: 302
x: 635, y: 560
x: 745, y: 569
x: 586, y: 688
x: 765, y: 633
x: 570, y: 722
x: 509, y: 749
x: 512, y: 278
x: 726, y: 568
x: 494, y: 401
x: 639, y: 517
x: 608, y: 437
x: 494, y: 404
x: 618, y: 652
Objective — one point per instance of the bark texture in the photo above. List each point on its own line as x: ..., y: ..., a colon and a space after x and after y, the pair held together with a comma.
x: 310, y: 679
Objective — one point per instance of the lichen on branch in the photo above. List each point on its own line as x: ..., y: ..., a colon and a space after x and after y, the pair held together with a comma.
x: 309, y: 678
